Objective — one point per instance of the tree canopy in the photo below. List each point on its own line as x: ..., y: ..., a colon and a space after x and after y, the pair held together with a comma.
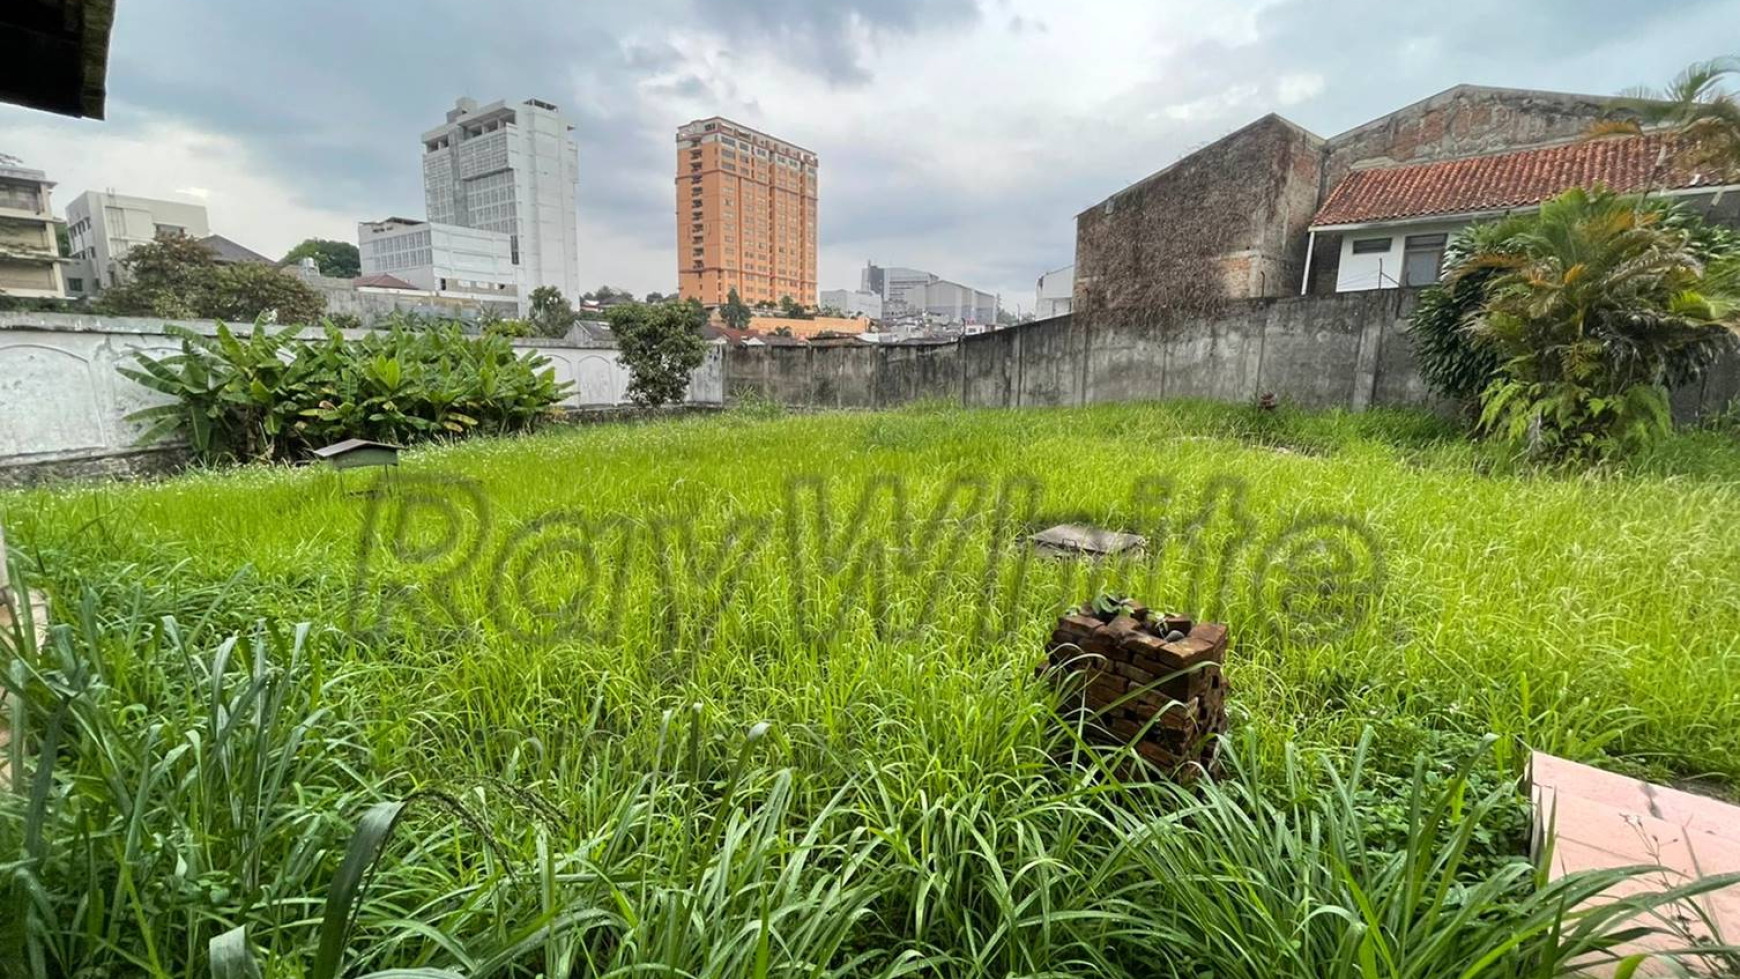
x: 338, y: 259
x: 177, y: 277
x: 735, y: 313
x: 661, y: 345
x: 551, y: 316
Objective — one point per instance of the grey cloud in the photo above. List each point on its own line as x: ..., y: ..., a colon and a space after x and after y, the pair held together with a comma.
x: 330, y: 96
x: 819, y: 35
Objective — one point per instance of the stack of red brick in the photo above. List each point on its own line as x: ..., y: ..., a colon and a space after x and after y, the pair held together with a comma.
x: 1168, y: 697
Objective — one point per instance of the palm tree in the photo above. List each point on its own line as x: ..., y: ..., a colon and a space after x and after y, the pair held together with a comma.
x: 1589, y: 305
x: 1701, y: 112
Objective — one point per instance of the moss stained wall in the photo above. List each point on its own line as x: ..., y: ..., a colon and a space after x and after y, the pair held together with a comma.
x: 1225, y: 222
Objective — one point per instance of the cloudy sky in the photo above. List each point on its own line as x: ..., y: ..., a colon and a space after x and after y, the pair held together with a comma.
x: 959, y: 136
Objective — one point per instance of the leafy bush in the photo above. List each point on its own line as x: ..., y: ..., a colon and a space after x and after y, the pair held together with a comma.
x: 1570, y: 323
x: 176, y: 276
x: 1451, y: 359
x: 271, y: 396
x: 661, y: 345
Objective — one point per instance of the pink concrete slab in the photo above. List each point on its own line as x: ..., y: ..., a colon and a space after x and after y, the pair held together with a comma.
x: 1600, y: 820
x: 1695, y: 812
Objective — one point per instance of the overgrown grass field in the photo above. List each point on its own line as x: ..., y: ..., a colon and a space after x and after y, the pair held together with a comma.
x: 755, y: 694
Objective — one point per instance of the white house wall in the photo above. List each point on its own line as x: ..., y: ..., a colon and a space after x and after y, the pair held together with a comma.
x: 1382, y: 270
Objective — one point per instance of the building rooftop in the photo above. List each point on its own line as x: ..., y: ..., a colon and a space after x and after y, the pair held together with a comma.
x: 1503, y: 181
x: 698, y: 127
x: 228, y: 252
x: 24, y: 175
x: 381, y: 280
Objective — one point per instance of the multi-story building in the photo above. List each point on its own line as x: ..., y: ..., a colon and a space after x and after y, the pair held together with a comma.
x: 30, y: 259
x: 511, y: 168
x: 951, y: 302
x: 1055, y: 293
x: 854, y: 302
x: 915, y: 293
x: 901, y: 289
x: 103, y: 226
x: 439, y: 258
x: 746, y: 215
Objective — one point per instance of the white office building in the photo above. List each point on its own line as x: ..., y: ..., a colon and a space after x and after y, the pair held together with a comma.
x: 854, y: 302
x: 917, y: 294
x: 1055, y: 295
x: 510, y: 168
x: 951, y: 302
x: 439, y: 258
x: 102, y: 227
x: 901, y: 289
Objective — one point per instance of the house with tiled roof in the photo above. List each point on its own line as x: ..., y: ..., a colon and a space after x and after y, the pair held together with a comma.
x: 1393, y: 222
x: 1273, y: 209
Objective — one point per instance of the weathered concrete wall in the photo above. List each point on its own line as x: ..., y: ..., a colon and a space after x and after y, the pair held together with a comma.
x: 908, y: 374
x: 1344, y: 350
x: 63, y: 402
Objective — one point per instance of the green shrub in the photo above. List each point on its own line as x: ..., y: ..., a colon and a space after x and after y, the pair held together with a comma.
x: 1452, y: 360
x: 661, y: 345
x: 1571, y: 323
x: 271, y: 396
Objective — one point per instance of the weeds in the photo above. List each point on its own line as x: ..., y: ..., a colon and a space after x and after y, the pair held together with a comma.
x: 609, y: 801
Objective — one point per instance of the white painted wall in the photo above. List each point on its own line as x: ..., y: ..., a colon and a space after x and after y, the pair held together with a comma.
x: 62, y: 397
x: 1382, y: 270
x: 1055, y: 294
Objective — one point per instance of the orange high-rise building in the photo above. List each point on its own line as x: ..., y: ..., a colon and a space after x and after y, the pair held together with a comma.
x: 746, y: 215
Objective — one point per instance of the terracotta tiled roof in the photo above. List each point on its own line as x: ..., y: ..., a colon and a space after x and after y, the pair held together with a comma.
x: 1496, y: 183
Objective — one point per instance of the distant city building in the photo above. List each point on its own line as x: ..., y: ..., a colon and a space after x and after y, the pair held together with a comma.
x: 916, y: 293
x: 513, y: 169
x: 30, y: 259
x: 1055, y: 293
x: 952, y: 302
x: 901, y: 289
x: 746, y: 215
x: 439, y: 258
x: 854, y: 302
x: 102, y: 227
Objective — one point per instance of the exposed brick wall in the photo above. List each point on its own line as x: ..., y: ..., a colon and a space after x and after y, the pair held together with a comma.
x: 1223, y: 223
x: 1465, y: 121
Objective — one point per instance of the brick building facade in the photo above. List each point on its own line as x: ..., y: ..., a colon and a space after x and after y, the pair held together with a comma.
x: 1229, y: 220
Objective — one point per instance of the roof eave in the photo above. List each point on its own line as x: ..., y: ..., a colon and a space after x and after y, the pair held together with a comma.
x: 1491, y: 212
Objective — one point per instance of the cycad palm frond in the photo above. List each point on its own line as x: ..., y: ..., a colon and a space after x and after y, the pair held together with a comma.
x: 1697, y: 106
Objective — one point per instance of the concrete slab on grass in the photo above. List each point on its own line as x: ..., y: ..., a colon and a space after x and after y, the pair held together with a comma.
x: 1074, y: 539
x: 1601, y: 820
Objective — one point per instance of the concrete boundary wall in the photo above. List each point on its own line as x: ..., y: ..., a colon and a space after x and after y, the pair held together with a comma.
x: 64, y: 403
x: 1345, y: 350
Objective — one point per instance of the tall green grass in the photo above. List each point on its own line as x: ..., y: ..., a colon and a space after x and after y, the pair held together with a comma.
x: 213, y: 809
x: 574, y: 810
